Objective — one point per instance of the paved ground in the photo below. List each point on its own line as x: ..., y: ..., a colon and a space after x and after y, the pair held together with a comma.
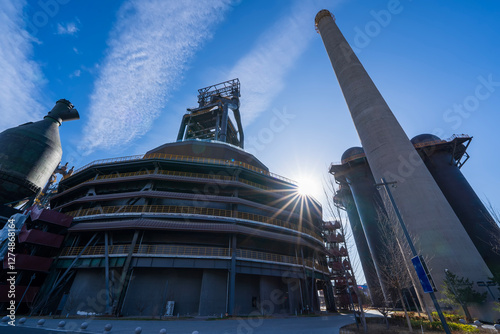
x: 328, y: 324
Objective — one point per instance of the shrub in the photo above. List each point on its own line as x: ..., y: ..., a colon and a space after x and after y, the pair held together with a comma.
x: 450, y: 317
x: 438, y: 326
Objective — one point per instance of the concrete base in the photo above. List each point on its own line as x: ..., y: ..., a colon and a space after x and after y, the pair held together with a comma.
x: 195, y: 292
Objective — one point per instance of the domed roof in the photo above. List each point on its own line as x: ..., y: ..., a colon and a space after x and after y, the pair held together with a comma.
x: 352, y: 152
x: 424, y: 138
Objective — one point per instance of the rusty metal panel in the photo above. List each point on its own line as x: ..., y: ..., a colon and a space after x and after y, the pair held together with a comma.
x: 30, y: 262
x: 38, y: 237
x: 51, y: 216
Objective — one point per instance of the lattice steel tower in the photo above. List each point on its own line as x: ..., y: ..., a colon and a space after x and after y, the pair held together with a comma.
x: 210, y: 121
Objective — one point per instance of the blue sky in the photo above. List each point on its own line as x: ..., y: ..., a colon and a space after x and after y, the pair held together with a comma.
x: 132, y: 68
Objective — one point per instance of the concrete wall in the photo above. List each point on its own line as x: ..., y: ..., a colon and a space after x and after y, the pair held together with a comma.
x: 213, y: 295
x: 151, y: 288
x: 247, y: 294
x: 195, y: 292
x: 294, y: 295
x: 273, y: 295
x: 88, y: 293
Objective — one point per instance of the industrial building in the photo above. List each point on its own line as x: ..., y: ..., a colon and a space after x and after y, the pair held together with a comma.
x: 451, y: 226
x: 194, y: 227
x: 444, y: 159
x: 30, y: 153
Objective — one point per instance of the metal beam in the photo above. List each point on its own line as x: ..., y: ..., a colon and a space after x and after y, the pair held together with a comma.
x: 232, y: 276
x: 46, y: 299
x: 106, y: 270
x: 125, y: 272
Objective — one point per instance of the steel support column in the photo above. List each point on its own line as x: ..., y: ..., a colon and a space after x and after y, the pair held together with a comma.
x: 123, y: 283
x: 106, y: 270
x: 232, y: 276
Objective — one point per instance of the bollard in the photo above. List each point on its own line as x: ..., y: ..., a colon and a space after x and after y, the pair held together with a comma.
x: 107, y: 328
x: 163, y: 331
x: 138, y: 330
x: 22, y: 321
x: 40, y: 323
x: 84, y: 326
x: 478, y: 323
x: 61, y: 324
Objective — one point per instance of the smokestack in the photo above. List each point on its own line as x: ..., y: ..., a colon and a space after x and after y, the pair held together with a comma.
x: 435, y: 228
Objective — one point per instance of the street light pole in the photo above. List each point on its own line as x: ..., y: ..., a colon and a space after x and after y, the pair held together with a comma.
x: 412, y: 247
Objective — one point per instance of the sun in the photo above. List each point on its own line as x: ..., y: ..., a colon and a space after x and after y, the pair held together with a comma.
x: 306, y: 186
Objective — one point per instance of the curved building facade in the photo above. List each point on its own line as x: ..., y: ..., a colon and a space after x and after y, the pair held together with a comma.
x: 194, y: 227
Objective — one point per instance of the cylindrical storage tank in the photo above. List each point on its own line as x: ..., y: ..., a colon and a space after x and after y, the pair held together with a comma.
x: 368, y: 204
x: 29, y: 153
x: 344, y: 197
x: 471, y: 211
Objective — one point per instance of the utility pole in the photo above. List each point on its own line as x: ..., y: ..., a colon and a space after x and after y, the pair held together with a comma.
x: 413, y: 250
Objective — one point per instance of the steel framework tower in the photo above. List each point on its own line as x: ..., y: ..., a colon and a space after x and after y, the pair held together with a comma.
x: 210, y: 121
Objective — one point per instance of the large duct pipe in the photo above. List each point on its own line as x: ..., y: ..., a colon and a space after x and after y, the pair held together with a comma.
x: 345, y: 197
x: 436, y: 230
x: 468, y: 207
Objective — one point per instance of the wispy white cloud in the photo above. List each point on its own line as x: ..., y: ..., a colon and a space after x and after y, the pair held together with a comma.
x: 20, y: 77
x: 149, y: 48
x: 68, y: 28
x: 263, y: 70
x: 75, y: 73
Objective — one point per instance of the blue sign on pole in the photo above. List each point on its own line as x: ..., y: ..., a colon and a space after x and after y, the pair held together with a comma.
x: 422, y: 274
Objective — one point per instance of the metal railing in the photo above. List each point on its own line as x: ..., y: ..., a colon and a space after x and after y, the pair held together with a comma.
x: 418, y: 145
x: 183, y: 158
x: 190, y: 210
x: 175, y: 173
x: 190, y: 251
x: 429, y: 143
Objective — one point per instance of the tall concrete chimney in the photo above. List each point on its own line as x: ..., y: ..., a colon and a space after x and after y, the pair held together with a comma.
x: 436, y: 230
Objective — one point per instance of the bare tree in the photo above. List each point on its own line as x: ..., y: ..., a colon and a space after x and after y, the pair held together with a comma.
x: 392, y: 267
x: 385, y: 308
